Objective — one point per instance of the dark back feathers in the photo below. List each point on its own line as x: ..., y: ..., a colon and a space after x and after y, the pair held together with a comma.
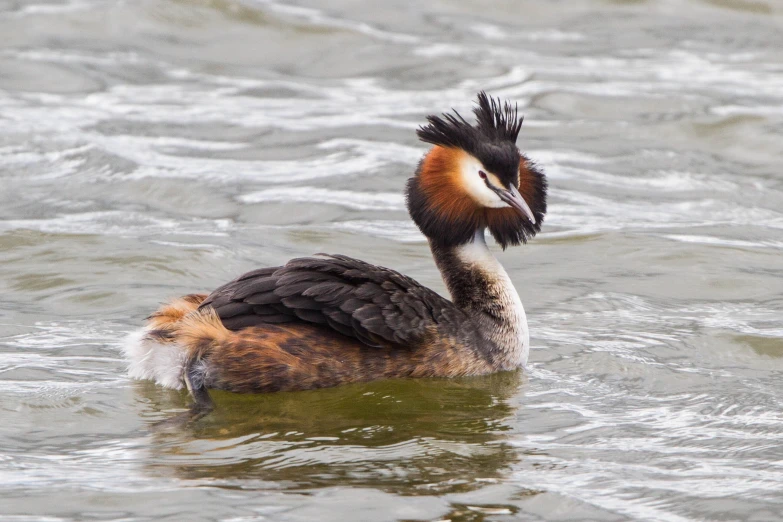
x: 373, y: 304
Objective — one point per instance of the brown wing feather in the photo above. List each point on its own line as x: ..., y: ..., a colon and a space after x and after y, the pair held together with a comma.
x: 373, y: 304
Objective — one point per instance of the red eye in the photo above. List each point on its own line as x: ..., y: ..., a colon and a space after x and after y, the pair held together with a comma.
x: 483, y: 174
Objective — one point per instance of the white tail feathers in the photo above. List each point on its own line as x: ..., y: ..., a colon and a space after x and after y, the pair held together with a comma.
x: 157, y: 361
x: 175, y: 334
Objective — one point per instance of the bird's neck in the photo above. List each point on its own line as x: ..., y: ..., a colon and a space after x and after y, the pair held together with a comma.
x: 481, y: 287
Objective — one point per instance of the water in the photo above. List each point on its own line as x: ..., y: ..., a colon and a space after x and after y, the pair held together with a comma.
x: 150, y: 149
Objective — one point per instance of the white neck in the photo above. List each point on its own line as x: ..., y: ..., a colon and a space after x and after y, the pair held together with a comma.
x: 482, y: 288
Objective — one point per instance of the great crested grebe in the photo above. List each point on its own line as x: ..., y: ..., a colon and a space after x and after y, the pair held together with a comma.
x: 323, y: 321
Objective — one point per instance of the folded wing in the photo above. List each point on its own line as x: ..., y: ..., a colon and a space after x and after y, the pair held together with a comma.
x: 373, y: 304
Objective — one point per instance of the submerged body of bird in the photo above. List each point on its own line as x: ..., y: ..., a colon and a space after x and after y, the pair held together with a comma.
x: 329, y: 320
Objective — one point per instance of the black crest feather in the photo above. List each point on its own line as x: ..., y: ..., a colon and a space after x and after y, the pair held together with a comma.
x: 501, y: 123
x: 495, y: 122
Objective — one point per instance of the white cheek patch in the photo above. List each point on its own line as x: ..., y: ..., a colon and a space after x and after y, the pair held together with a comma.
x: 469, y: 168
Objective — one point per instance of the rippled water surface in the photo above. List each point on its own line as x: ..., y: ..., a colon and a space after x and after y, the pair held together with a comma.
x: 154, y: 148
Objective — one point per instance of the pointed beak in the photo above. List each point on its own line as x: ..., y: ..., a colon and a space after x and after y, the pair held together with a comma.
x: 514, y: 199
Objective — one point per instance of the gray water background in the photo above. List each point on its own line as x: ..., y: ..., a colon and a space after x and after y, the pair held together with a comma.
x: 153, y: 148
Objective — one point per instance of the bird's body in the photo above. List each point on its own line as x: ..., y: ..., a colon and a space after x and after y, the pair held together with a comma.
x: 329, y: 320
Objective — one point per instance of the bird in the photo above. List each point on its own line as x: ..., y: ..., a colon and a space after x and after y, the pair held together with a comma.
x: 329, y: 320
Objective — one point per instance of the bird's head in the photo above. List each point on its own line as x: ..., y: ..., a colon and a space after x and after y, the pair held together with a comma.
x: 474, y: 177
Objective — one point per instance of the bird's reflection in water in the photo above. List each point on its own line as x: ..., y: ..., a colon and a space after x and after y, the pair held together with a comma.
x: 406, y: 436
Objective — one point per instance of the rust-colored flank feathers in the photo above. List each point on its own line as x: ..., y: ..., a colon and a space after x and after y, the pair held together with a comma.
x: 287, y: 357
x: 332, y: 319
